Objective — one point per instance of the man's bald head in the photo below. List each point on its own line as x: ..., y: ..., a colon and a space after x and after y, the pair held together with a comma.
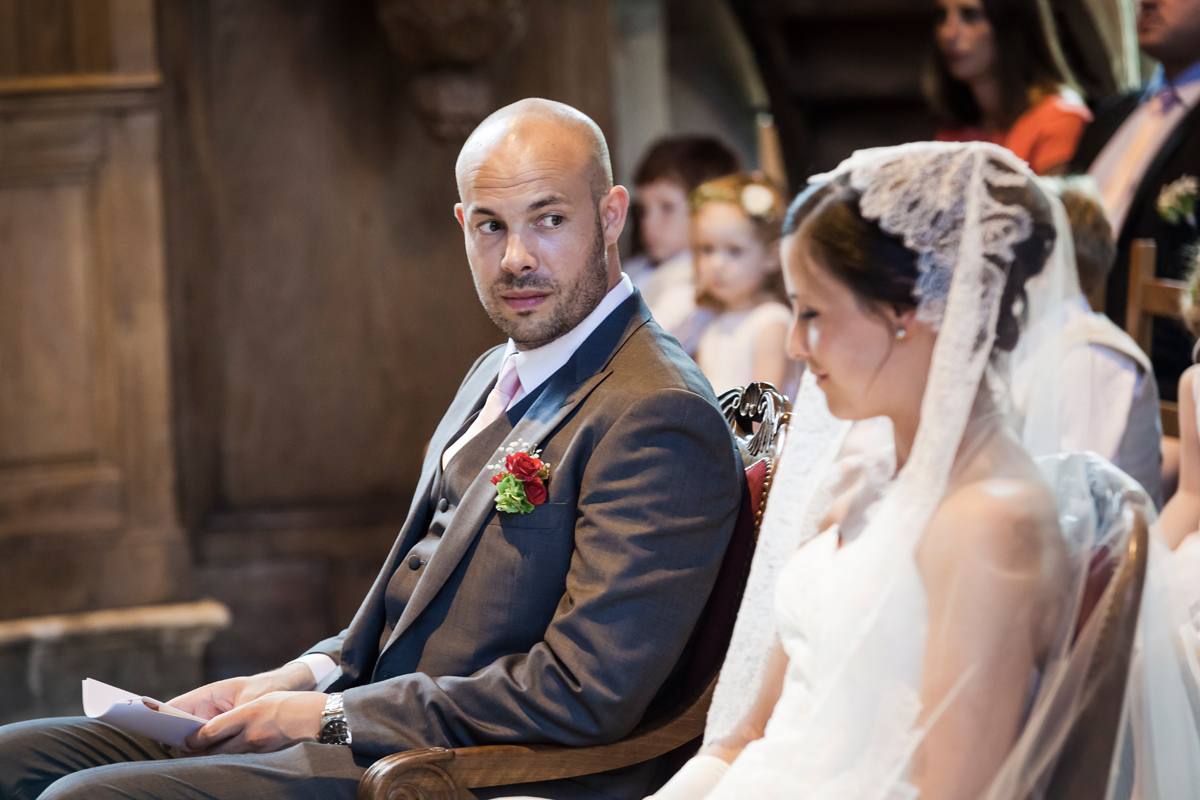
x: 530, y: 127
x: 540, y: 218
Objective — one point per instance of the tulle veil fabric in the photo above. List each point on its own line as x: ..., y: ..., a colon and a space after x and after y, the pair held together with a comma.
x: 948, y: 203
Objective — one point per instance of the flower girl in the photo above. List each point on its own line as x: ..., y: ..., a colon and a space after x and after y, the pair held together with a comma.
x: 736, y: 222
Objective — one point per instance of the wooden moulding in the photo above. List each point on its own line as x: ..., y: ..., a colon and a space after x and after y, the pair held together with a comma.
x: 201, y: 614
x: 77, y: 92
x: 79, y: 82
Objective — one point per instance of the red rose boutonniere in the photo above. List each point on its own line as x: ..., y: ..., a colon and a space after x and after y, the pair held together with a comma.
x: 520, y: 479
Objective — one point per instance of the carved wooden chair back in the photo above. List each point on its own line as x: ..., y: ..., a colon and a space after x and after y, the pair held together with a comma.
x: 758, y: 416
x: 1106, y: 623
x: 1149, y: 297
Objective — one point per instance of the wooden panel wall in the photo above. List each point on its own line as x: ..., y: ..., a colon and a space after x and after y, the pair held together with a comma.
x: 87, y: 509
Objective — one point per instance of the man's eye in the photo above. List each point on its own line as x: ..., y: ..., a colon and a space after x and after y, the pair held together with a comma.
x: 972, y: 15
x: 554, y: 220
x: 807, y: 315
x: 491, y: 226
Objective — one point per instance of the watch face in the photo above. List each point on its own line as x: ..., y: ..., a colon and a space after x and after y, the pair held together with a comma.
x: 334, y: 732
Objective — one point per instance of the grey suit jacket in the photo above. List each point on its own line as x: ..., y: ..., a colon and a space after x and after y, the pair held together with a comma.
x: 560, y: 625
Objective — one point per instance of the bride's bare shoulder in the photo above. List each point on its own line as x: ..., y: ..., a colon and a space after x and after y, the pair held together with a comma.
x: 1008, y: 521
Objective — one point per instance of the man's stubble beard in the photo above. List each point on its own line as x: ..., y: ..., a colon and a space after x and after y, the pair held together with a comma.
x: 573, y: 302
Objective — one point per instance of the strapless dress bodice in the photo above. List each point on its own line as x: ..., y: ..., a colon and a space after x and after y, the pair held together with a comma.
x: 842, y: 724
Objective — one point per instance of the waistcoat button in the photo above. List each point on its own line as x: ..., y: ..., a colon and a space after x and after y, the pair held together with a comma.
x: 443, y: 504
x: 414, y: 562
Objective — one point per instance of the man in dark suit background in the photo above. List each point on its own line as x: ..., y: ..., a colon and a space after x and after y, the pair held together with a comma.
x: 1139, y: 144
x: 561, y: 624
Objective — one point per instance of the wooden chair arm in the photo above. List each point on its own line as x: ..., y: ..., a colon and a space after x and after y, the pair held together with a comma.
x: 438, y: 773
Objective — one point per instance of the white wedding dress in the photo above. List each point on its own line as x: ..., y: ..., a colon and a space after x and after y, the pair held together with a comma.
x: 818, y: 600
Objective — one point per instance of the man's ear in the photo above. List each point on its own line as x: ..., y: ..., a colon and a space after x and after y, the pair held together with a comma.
x: 614, y: 208
x: 458, y: 215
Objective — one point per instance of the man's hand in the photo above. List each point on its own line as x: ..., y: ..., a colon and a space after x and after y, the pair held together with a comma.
x: 217, y: 698
x: 269, y: 723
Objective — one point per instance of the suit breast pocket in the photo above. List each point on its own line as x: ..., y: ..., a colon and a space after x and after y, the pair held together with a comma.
x: 547, y: 515
x: 536, y: 549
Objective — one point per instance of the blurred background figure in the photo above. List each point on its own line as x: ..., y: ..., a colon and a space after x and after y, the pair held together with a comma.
x: 1144, y: 152
x: 736, y: 222
x: 663, y: 271
x: 999, y: 76
x: 1114, y: 411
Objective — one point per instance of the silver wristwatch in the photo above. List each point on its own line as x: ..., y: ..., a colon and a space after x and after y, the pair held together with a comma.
x: 333, y: 722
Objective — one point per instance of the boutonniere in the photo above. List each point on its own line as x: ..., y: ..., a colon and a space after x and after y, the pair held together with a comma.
x: 1177, y: 200
x: 520, y: 478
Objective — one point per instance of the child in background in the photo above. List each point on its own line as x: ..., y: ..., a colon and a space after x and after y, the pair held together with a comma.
x: 1115, y: 411
x: 736, y: 222
x: 669, y: 172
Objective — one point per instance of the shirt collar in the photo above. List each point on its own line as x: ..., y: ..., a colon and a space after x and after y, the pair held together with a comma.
x: 534, y: 367
x: 1186, y: 84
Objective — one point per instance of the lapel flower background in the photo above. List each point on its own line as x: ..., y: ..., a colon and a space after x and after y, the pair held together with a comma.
x: 1177, y: 200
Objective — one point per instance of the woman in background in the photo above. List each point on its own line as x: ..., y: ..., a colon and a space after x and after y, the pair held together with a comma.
x: 998, y: 76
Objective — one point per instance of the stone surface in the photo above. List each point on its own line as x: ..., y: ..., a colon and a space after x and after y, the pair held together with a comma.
x: 153, y: 650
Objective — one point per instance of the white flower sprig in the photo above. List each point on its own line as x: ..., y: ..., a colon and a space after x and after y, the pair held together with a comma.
x: 519, y: 446
x: 1177, y: 200
x: 757, y: 201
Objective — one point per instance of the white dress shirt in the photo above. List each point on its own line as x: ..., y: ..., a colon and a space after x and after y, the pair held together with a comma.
x: 670, y: 291
x: 1102, y: 380
x: 534, y: 367
x: 1119, y: 168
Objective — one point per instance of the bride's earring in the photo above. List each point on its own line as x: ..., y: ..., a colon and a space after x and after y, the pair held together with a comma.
x: 901, y: 333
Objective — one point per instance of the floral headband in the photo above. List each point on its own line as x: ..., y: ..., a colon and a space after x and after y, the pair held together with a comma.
x: 757, y: 200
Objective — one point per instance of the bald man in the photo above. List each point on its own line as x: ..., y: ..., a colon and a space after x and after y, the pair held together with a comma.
x: 558, y: 619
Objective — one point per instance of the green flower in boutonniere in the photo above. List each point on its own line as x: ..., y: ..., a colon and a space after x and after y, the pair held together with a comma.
x: 521, y: 480
x: 1177, y: 200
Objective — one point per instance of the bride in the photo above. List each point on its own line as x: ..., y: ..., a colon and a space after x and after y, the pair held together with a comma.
x: 930, y: 613
x: 910, y: 633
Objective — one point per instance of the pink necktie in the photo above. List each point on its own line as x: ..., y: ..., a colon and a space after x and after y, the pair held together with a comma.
x: 507, y: 386
x: 1120, y: 182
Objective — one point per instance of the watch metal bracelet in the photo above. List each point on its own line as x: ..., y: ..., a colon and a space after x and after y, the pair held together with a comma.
x: 334, y: 729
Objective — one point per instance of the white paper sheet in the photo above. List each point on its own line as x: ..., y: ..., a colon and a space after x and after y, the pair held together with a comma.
x: 138, y: 714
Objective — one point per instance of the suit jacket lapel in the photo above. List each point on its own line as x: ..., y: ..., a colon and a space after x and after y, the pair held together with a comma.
x: 1150, y: 178
x: 567, y: 388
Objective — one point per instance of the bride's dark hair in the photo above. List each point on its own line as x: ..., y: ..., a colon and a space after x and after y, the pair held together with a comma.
x: 878, y: 267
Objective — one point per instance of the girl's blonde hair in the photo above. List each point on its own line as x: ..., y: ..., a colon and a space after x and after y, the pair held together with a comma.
x: 759, y: 200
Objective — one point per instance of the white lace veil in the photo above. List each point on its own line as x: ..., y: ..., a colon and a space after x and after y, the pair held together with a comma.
x: 952, y: 205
